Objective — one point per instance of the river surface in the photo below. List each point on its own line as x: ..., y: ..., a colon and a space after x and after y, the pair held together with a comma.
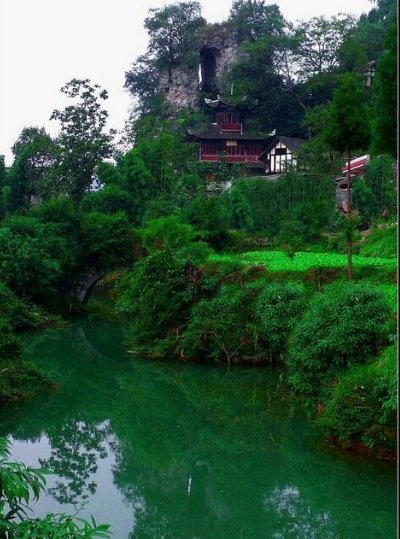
x: 187, y: 451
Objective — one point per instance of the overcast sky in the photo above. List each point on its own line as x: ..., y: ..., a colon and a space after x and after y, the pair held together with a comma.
x: 46, y: 43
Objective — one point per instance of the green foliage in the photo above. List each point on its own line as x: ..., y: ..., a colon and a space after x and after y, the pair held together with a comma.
x: 380, y: 178
x: 137, y: 180
x: 221, y: 328
x: 17, y: 377
x: 363, y: 404
x: 209, y: 216
x: 83, y: 142
x: 318, y: 42
x: 354, y: 411
x: 381, y: 243
x: 365, y: 42
x: 278, y: 261
x: 19, y: 484
x: 167, y: 233
x: 253, y: 19
x: 34, y: 156
x: 277, y: 309
x: 385, y: 98
x: 262, y: 206
x: 349, y: 125
x: 158, y: 292
x: 343, y: 326
x: 364, y: 200
x: 106, y: 240
x: 34, y: 256
x: 173, y: 32
x: 386, y: 385
x: 108, y: 200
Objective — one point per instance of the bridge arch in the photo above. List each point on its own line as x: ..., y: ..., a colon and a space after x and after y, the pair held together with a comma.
x: 81, y: 288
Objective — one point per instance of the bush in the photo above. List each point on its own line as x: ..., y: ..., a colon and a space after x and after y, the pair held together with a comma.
x: 277, y: 309
x: 34, y: 256
x: 110, y: 199
x: 381, y: 243
x: 162, y: 287
x: 363, y: 404
x: 221, y: 329
x: 342, y: 327
x: 106, y: 239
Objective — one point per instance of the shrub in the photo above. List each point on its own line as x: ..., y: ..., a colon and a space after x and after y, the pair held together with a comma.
x: 106, y: 239
x: 159, y: 291
x: 34, y: 256
x: 341, y: 328
x: 386, y: 383
x: 363, y: 404
x: 110, y: 199
x: 381, y: 243
x: 221, y: 328
x: 277, y: 309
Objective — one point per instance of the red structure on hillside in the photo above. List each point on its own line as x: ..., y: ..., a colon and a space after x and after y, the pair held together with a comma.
x: 226, y: 137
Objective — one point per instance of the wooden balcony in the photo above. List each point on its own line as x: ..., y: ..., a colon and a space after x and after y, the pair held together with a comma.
x: 231, y: 158
x: 232, y: 126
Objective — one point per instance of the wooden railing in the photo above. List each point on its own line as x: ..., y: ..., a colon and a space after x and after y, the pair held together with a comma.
x: 231, y: 126
x: 231, y: 158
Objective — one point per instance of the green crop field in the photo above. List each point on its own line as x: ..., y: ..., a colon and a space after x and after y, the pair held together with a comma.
x: 301, y: 262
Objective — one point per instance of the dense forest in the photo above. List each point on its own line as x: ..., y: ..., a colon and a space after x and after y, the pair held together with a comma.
x: 256, y: 273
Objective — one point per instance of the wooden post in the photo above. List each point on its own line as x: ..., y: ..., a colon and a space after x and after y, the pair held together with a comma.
x: 349, y: 221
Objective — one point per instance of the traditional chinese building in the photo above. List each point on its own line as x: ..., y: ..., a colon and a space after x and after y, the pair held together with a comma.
x: 226, y: 137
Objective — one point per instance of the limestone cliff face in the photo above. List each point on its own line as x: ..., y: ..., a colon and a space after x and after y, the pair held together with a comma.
x: 218, y: 50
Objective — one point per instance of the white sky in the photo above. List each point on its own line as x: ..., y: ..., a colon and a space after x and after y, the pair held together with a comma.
x: 46, y: 43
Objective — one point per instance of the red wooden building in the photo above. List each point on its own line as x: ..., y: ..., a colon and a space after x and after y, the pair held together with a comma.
x: 226, y: 137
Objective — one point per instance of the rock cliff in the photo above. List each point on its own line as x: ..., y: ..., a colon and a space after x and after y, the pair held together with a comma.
x: 217, y: 51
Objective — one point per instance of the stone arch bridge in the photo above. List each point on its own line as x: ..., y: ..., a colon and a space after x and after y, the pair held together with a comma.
x: 81, y: 286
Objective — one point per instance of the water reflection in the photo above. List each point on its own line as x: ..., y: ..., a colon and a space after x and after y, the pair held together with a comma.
x: 76, y: 449
x: 189, y: 451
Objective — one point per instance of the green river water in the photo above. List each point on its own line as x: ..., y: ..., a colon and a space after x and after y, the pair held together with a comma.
x: 187, y: 451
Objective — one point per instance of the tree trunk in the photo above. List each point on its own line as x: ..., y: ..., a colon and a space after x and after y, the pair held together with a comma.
x: 349, y: 222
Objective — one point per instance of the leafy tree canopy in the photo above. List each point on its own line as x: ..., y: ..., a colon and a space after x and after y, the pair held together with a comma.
x: 252, y: 19
x: 83, y: 141
x: 173, y: 30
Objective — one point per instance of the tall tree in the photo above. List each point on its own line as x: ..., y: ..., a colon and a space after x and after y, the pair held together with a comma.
x: 252, y: 19
x: 83, y: 141
x: 317, y: 44
x: 173, y: 32
x: 348, y: 129
x: 3, y: 177
x: 365, y: 41
x: 34, y: 157
x: 385, y: 98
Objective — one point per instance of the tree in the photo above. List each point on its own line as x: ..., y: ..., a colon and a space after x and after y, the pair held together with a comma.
x: 318, y: 41
x: 83, y: 141
x: 348, y: 130
x: 142, y: 81
x: 34, y: 157
x: 173, y: 32
x: 252, y: 19
x: 3, y: 178
x: 385, y: 98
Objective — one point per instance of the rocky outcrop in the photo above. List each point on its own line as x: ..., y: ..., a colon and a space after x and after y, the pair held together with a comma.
x: 217, y: 51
